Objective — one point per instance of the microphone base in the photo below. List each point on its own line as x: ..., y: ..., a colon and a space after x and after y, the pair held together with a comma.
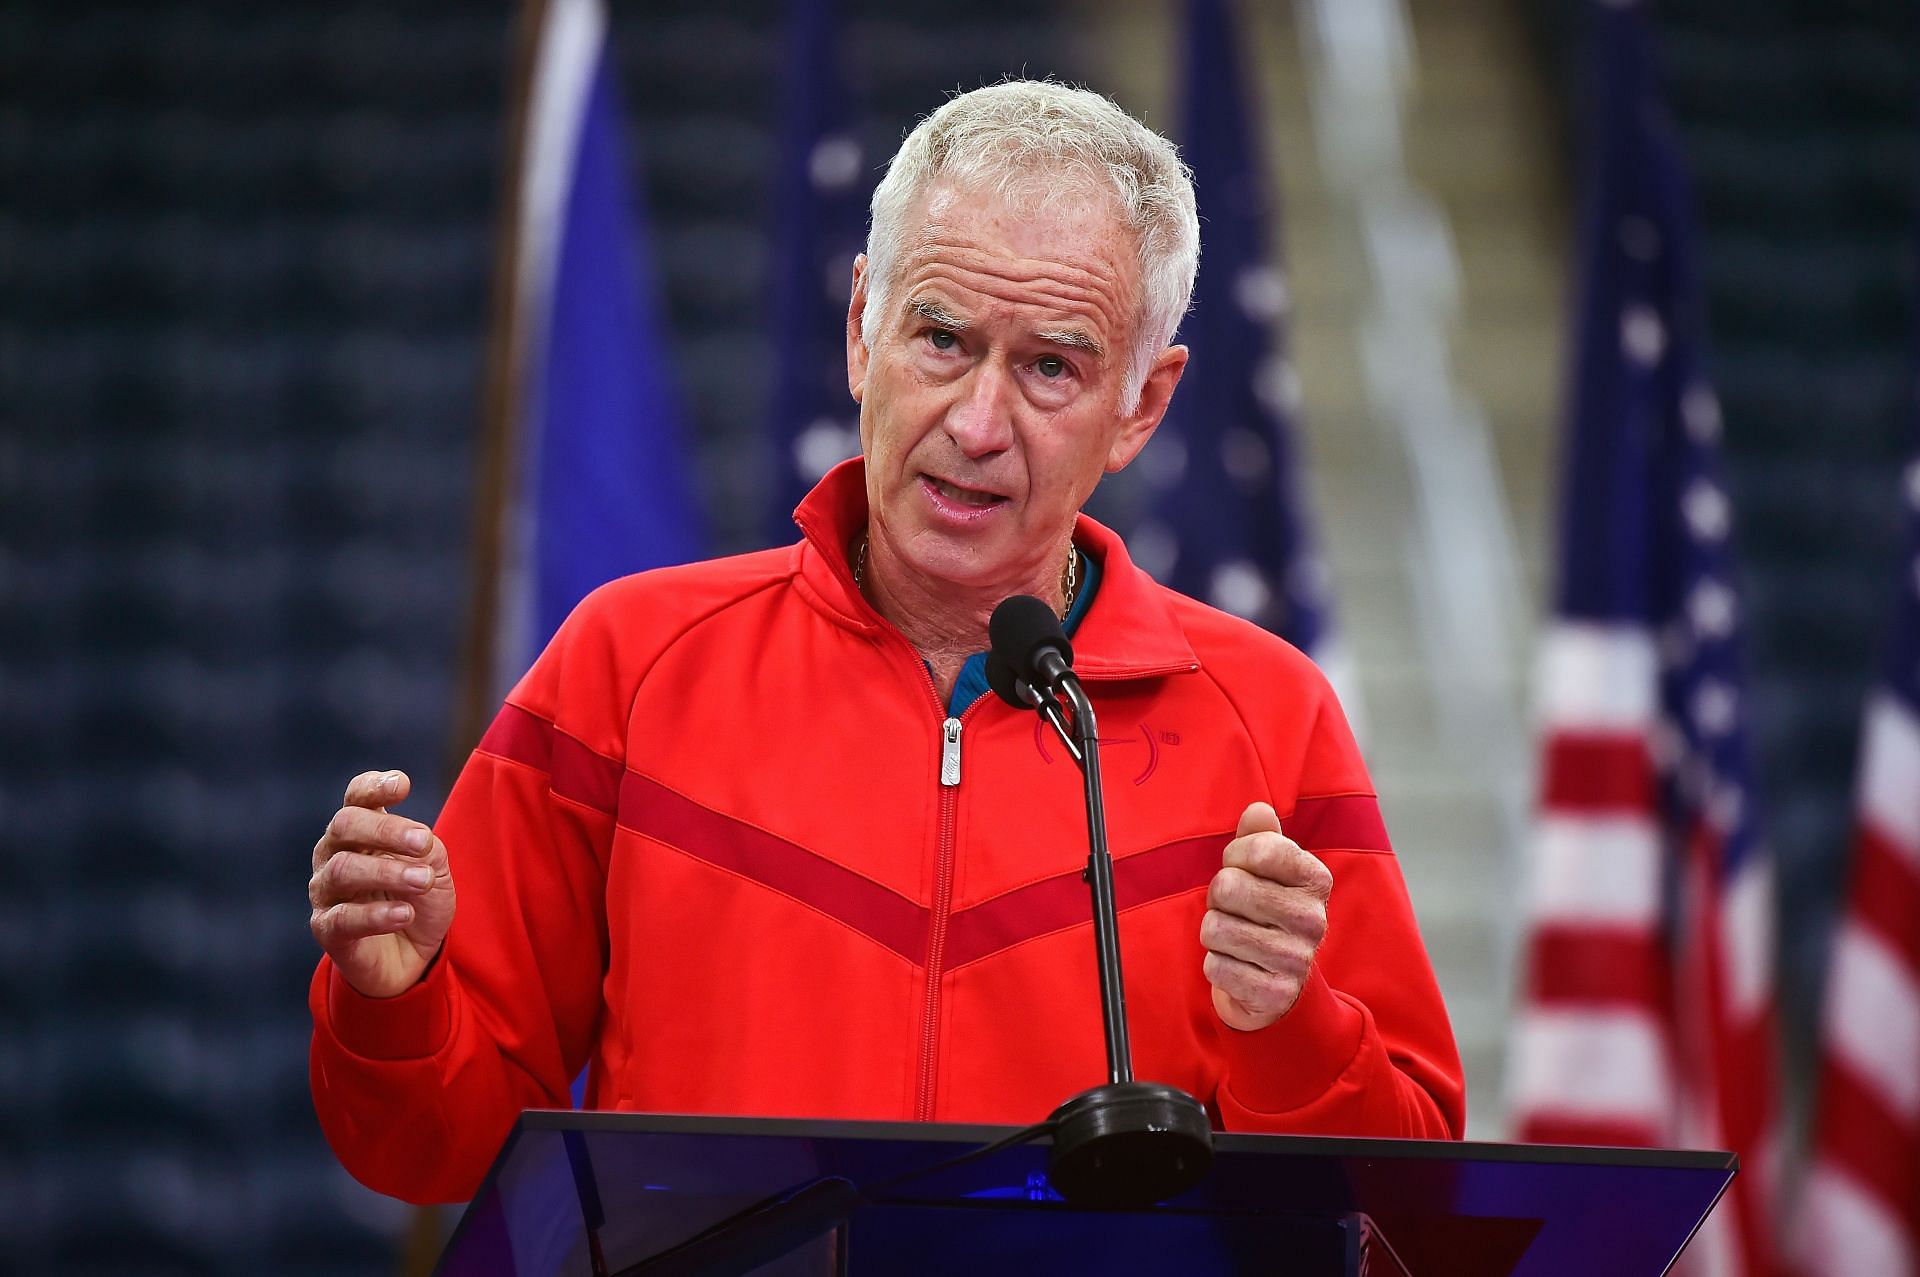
x: 1129, y: 1144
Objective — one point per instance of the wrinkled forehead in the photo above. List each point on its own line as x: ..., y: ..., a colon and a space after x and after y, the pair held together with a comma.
x: 1072, y: 222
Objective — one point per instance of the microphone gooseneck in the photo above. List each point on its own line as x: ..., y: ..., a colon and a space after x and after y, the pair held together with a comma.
x: 1127, y: 1143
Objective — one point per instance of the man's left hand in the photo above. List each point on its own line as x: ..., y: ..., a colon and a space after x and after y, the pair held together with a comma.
x: 1266, y: 915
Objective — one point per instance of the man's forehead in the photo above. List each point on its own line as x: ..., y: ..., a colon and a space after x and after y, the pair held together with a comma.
x: 1027, y: 216
x: 1074, y: 260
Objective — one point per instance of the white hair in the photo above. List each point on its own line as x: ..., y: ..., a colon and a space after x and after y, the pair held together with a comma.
x: 1041, y: 141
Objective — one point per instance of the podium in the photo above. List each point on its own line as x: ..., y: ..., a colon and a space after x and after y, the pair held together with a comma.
x: 581, y: 1194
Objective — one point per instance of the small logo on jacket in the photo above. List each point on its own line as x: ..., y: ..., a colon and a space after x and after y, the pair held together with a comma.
x: 1149, y: 738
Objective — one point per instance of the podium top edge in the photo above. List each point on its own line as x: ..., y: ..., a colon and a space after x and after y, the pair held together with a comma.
x: 613, y: 1123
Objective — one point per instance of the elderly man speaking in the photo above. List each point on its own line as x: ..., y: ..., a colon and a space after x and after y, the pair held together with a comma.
x: 749, y: 839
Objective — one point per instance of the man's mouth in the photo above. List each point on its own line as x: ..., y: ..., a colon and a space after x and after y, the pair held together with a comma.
x: 975, y: 497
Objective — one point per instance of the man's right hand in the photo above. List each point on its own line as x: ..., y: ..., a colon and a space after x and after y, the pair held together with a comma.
x: 381, y: 892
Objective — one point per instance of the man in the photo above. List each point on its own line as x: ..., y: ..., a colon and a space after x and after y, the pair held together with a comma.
x: 748, y: 838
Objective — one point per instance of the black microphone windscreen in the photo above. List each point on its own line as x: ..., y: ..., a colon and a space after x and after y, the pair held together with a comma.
x: 1019, y: 629
x: 1000, y: 678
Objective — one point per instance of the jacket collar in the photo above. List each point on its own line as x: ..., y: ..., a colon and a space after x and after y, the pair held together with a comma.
x: 1130, y: 631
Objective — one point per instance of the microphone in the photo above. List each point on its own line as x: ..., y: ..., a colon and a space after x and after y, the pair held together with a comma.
x: 1126, y: 1144
x: 1014, y: 691
x: 1029, y: 643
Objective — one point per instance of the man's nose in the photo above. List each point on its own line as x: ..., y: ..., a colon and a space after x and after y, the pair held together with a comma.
x: 981, y: 420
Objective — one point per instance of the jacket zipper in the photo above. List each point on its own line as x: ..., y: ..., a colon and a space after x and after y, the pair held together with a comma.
x: 942, y: 911
x: 949, y: 779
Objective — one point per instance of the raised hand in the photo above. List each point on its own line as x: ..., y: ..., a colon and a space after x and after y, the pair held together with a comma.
x: 1266, y: 915
x: 381, y: 892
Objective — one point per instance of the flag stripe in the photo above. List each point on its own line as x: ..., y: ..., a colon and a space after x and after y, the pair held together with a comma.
x: 1885, y: 894
x: 1889, y: 789
x: 1862, y: 1134
x: 1594, y: 967
x: 1850, y: 1232
x: 1597, y: 679
x: 1746, y: 938
x: 1601, y: 1066
x: 1872, y: 1018
x: 1601, y: 870
x: 1595, y: 773
x: 1603, y: 1132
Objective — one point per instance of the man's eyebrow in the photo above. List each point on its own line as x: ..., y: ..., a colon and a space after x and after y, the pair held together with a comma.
x: 1076, y: 340
x: 934, y: 313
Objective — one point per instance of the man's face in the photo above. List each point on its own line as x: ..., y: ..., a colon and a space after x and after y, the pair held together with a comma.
x: 990, y: 396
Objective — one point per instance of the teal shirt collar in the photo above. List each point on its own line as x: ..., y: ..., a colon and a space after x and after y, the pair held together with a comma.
x: 971, y: 685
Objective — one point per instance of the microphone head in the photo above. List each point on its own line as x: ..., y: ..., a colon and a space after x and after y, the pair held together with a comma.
x: 1008, y: 688
x: 1020, y: 629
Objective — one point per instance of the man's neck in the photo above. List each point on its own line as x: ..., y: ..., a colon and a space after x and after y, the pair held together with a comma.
x: 947, y: 624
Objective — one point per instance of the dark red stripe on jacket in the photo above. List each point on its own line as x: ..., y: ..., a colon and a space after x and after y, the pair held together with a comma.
x: 573, y: 770
x: 646, y: 807
x: 1342, y: 822
x: 1056, y: 903
x: 650, y: 808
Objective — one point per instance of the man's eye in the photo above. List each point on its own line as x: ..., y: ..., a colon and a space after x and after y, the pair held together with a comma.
x: 1050, y: 366
x: 942, y: 339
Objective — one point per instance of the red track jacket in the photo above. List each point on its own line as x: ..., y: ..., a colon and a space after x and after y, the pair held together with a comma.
x: 717, y: 848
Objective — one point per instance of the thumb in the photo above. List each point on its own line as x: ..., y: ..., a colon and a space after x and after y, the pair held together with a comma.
x: 1258, y: 818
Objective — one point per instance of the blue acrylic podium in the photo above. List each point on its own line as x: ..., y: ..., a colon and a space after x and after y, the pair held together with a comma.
x: 581, y: 1194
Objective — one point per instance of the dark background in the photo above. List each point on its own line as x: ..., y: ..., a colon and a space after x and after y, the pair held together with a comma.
x: 244, y: 280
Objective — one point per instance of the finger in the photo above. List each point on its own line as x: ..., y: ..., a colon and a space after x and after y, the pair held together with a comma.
x: 1259, y: 993
x: 343, y: 924
x: 1278, y: 858
x: 1258, y: 818
x: 350, y: 875
x: 1272, y: 949
x: 377, y: 789
x: 1295, y: 910
x: 359, y: 829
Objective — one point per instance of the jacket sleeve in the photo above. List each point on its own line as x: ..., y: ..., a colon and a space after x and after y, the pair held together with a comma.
x: 416, y: 1093
x: 1367, y: 1049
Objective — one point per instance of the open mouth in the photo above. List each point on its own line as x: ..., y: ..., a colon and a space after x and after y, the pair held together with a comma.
x: 973, y: 498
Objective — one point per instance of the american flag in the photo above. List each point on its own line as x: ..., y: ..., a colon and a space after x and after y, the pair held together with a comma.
x: 1227, y: 521
x: 820, y: 208
x: 1861, y: 1209
x: 1648, y: 1013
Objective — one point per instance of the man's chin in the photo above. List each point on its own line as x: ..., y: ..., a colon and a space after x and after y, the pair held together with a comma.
x: 956, y: 562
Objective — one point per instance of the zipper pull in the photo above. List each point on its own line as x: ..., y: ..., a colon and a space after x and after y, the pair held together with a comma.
x: 950, y: 752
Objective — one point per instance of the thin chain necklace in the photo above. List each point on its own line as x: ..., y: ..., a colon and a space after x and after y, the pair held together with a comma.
x: 1069, y: 576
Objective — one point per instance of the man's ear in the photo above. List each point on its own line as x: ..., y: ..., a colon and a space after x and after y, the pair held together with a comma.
x: 856, y: 340
x: 1155, y: 394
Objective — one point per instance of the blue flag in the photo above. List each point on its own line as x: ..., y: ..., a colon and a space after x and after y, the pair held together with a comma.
x: 820, y: 209
x: 1229, y: 525
x: 601, y: 486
